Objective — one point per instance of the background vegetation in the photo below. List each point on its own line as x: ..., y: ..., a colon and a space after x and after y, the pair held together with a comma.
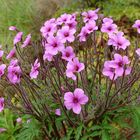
x: 29, y: 15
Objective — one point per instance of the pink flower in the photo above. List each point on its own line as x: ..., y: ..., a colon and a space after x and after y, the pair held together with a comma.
x: 54, y: 45
x: 105, y: 20
x: 73, y: 16
x: 86, y: 30
x: 52, y: 20
x: 138, y: 52
x: 13, y: 62
x: 66, y: 34
x: 75, y: 100
x: 1, y: 104
x: 14, y: 73
x: 109, y: 27
x: 27, y: 41
x: 73, y: 67
x: 68, y: 53
x: 91, y: 26
x: 118, y: 41
x: 109, y: 71
x: 2, y: 68
x: 2, y: 130
x: 48, y: 29
x: 137, y: 25
x: 11, y: 53
x: 90, y: 15
x: 19, y: 120
x: 1, y: 54
x: 63, y: 19
x: 83, y: 34
x: 12, y: 28
x: 18, y: 37
x: 71, y: 23
x: 35, y: 69
x: 58, y: 112
x: 117, y: 67
x: 47, y: 56
x: 120, y: 63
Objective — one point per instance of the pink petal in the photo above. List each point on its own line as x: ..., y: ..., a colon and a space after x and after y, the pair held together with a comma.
x: 68, y: 96
x: 79, y: 93
x: 76, y: 108
x: 117, y: 57
x: 119, y: 71
x: 68, y: 104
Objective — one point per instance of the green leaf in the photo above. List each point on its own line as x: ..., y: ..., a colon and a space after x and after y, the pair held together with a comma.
x: 95, y: 127
x: 69, y: 133
x: 91, y: 135
x: 78, y: 132
x: 30, y: 131
x: 105, y: 135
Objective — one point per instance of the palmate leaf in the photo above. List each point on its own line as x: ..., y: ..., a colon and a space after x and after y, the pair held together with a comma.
x: 136, y: 120
x: 94, y: 128
x: 78, y: 132
x: 91, y: 135
x: 7, y: 119
x: 69, y: 134
x: 30, y: 131
x: 105, y: 135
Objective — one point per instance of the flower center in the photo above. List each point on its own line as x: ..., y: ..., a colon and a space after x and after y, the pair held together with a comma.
x: 109, y: 28
x: 89, y: 17
x: 55, y: 45
x: 119, y: 44
x: 64, y: 19
x: 1, y: 104
x: 67, y: 54
x: 120, y: 64
x: 49, y: 29
x: 0, y: 72
x: 76, y: 68
x: 85, y: 34
x: 75, y: 100
x: 90, y: 28
x: 66, y: 34
x: 70, y: 25
x: 112, y: 69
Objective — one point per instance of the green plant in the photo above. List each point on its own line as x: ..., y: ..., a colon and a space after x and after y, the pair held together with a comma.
x: 73, y: 98
x: 30, y: 131
x: 8, y: 122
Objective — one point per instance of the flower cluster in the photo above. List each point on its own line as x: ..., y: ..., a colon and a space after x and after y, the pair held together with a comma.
x: 90, y: 18
x: 118, y: 41
x: 56, y: 37
x: 117, y: 67
x: 14, y: 72
x: 108, y: 26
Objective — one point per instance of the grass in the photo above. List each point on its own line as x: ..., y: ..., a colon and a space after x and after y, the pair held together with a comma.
x: 18, y: 13
x: 26, y: 15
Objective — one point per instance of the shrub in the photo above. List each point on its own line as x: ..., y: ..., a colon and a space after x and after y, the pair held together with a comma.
x: 83, y: 71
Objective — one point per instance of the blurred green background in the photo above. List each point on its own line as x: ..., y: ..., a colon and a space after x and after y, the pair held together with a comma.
x: 29, y: 15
